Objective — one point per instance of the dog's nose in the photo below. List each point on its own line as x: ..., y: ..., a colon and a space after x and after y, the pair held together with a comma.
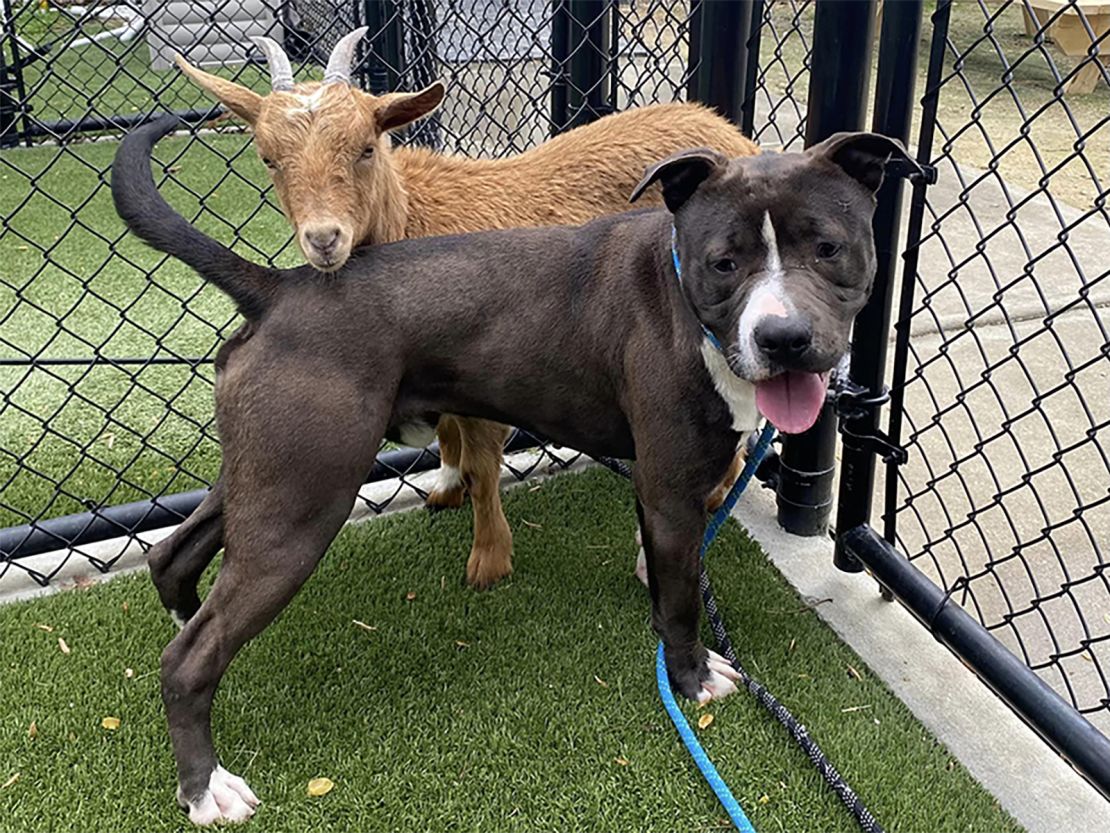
x: 783, y: 339
x: 323, y: 239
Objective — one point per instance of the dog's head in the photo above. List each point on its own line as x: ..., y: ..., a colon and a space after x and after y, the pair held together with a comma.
x: 777, y: 258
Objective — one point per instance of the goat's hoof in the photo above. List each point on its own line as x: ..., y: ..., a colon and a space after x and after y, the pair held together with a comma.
x: 444, y: 499
x: 487, y: 567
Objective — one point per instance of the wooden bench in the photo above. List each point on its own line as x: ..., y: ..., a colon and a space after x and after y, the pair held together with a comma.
x: 1069, y: 34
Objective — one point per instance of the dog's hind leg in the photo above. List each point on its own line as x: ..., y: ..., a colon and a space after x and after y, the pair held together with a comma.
x: 449, y: 490
x: 491, y: 556
x: 177, y: 561
x: 290, y: 483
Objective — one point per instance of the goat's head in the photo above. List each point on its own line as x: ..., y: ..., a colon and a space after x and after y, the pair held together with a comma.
x: 327, y: 148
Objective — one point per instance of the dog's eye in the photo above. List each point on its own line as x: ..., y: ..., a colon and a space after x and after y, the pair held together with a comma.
x: 826, y: 250
x: 725, y: 265
x: 367, y: 153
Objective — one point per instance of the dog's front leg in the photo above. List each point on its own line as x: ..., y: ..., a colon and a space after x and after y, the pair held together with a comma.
x: 672, y: 531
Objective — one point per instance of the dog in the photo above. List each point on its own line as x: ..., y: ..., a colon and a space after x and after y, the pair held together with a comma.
x: 656, y: 335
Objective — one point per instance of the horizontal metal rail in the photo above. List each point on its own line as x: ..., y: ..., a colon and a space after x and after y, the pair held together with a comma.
x: 82, y: 528
x: 1061, y: 726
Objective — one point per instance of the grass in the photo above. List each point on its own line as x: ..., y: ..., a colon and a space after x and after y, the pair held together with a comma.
x: 528, y: 707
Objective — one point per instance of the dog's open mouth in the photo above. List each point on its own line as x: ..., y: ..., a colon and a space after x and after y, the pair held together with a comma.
x: 792, y: 400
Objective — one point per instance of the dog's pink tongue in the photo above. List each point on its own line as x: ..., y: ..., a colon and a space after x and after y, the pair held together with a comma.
x: 791, y: 400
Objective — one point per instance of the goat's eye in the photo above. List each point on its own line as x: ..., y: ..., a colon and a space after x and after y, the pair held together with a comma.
x: 827, y: 251
x: 725, y: 266
x: 269, y: 163
x: 367, y: 152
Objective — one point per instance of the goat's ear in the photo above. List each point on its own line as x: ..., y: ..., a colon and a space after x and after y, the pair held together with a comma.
x: 398, y: 109
x: 680, y: 174
x: 863, y: 156
x: 243, y: 102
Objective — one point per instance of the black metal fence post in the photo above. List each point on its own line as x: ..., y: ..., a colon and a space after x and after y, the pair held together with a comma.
x: 893, y: 114
x: 840, y: 69
x: 588, y: 23
x: 384, y: 45
x: 722, y: 56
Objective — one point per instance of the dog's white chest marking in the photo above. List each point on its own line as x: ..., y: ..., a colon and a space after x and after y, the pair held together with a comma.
x: 738, y: 394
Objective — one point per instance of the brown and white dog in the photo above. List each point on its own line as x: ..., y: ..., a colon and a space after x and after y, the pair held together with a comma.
x: 341, y: 183
x: 582, y: 334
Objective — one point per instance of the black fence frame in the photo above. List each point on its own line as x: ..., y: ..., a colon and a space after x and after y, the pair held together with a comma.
x: 725, y: 41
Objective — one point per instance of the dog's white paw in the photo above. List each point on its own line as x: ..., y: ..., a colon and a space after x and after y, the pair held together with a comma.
x: 178, y: 620
x: 641, y: 559
x: 721, y: 681
x: 228, y: 799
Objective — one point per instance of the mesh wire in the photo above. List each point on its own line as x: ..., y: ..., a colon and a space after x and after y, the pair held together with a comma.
x: 1006, y: 499
x: 105, y: 346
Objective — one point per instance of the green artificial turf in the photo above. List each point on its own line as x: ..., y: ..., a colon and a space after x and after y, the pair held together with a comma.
x: 529, y: 707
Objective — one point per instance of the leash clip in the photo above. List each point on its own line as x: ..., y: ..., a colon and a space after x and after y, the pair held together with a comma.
x: 915, y: 172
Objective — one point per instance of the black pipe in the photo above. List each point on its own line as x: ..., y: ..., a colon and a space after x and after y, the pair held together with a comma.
x: 719, y: 80
x: 560, y: 55
x: 61, y: 129
x: 840, y: 68
x: 384, y: 45
x: 751, y: 73
x: 1060, y: 725
x: 84, y: 528
x: 894, y: 105
x: 937, y: 58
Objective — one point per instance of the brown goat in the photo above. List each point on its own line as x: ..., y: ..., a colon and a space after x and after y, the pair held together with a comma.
x: 342, y: 184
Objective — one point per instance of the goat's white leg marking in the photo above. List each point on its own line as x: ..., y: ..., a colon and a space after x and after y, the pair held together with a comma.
x: 641, y: 558
x: 721, y: 681
x: 449, y: 479
x: 227, y: 799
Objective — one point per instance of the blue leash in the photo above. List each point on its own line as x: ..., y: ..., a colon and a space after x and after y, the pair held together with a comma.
x: 716, y: 783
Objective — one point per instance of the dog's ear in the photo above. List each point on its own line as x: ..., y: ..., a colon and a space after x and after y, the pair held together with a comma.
x: 863, y: 156
x: 680, y: 174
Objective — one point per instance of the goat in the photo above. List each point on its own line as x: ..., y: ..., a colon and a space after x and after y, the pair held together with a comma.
x: 341, y: 183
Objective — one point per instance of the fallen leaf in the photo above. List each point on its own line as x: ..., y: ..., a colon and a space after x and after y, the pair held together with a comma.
x: 110, y: 440
x: 363, y: 625
x: 410, y: 596
x: 129, y: 673
x: 705, y: 721
x: 110, y: 723
x: 173, y: 169
x: 790, y: 647
x: 847, y: 709
x: 9, y: 782
x: 532, y: 525
x: 320, y: 786
x: 46, y: 628
x: 126, y: 607
x: 623, y: 761
x: 536, y: 488
x: 62, y: 646
x: 600, y: 681
x: 84, y: 582
x: 852, y: 672
x: 33, y: 730
x: 1087, y: 657
x: 461, y: 645
x: 765, y: 799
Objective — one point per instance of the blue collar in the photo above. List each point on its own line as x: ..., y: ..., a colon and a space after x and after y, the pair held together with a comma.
x: 678, y: 274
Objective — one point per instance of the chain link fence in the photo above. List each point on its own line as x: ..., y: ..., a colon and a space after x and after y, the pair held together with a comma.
x: 1004, y: 399
x: 106, y: 348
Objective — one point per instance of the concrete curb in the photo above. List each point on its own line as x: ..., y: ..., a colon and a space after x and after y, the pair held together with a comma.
x: 1030, y: 781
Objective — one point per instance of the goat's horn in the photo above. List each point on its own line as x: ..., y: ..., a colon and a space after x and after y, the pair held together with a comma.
x: 281, y: 73
x: 339, y: 64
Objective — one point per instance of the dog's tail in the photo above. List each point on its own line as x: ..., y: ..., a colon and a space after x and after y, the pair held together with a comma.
x: 149, y: 216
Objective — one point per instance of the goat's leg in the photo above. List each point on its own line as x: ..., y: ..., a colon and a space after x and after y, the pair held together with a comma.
x: 178, y: 560
x: 450, y: 489
x: 491, y: 556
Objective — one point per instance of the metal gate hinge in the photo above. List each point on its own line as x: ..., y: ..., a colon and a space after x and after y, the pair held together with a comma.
x: 854, y: 402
